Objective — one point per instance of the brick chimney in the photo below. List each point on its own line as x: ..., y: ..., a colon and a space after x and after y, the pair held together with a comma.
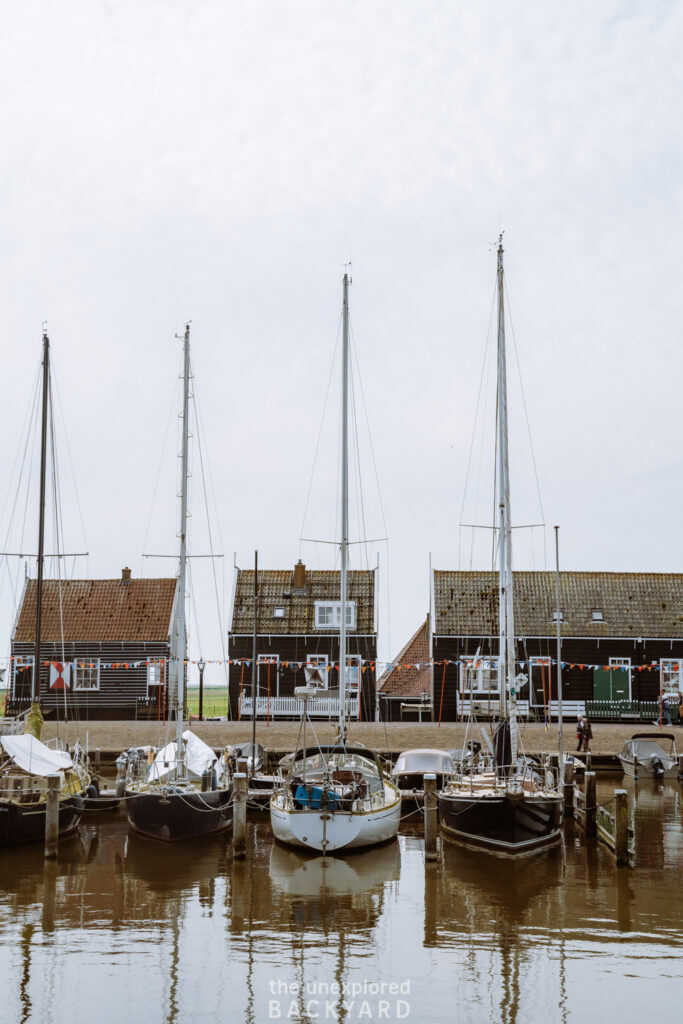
x: 125, y: 575
x: 299, y: 576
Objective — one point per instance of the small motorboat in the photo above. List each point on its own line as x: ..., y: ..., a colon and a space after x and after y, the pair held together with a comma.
x: 412, y: 766
x: 650, y: 755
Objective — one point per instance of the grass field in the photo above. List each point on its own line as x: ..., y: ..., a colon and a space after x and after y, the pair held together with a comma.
x: 215, y: 701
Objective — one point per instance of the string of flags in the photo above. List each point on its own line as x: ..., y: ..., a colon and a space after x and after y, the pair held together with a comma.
x: 365, y: 664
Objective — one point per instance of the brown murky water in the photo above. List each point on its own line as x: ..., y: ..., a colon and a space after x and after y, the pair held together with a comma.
x: 124, y: 930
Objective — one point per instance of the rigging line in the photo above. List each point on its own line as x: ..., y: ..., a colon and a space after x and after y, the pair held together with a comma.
x: 476, y: 411
x: 25, y: 432
x: 200, y: 447
x: 354, y: 354
x: 174, y: 405
x: 60, y: 408
x: 360, y: 497
x: 58, y: 524
x: 526, y: 412
x: 320, y: 431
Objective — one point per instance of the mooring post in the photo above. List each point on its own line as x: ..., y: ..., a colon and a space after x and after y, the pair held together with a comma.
x: 635, y: 766
x: 568, y: 788
x: 680, y: 766
x: 591, y: 809
x: 430, y: 815
x: 97, y: 760
x: 239, y: 815
x: 54, y: 784
x: 589, y: 761
x: 621, y: 826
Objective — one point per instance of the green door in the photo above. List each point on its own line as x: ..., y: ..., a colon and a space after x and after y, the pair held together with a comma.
x: 610, y: 684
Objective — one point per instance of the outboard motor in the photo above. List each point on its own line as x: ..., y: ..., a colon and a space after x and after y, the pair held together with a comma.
x: 121, y: 767
x: 657, y: 766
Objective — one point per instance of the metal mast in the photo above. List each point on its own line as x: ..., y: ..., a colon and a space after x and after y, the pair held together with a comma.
x: 35, y: 681
x: 254, y: 666
x: 344, y: 510
x: 559, y: 652
x: 182, y: 568
x: 506, y: 667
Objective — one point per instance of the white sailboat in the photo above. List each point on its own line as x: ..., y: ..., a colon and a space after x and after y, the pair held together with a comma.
x: 335, y: 797
x: 508, y: 807
x: 183, y: 790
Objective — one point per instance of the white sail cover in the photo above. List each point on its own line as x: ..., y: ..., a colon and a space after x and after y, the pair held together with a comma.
x: 198, y: 757
x: 34, y: 757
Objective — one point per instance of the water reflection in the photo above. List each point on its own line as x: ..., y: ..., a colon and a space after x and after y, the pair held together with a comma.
x: 120, y: 928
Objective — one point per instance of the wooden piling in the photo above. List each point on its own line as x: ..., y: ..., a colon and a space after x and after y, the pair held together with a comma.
x: 568, y: 788
x: 621, y: 826
x: 591, y: 808
x: 54, y: 784
x: 239, y: 815
x: 430, y: 815
x: 589, y: 761
x: 635, y: 766
x: 97, y: 760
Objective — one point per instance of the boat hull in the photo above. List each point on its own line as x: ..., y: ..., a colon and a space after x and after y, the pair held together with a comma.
x: 171, y: 817
x: 26, y: 824
x: 646, y: 770
x: 329, y: 831
x: 509, y: 825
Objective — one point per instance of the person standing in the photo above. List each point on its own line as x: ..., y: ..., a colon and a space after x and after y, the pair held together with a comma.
x: 579, y: 732
x: 587, y: 734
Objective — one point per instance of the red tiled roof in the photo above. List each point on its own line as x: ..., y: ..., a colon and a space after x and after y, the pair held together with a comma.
x: 409, y: 682
x: 98, y: 610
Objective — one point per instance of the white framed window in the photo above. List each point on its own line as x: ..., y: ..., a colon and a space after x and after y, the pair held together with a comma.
x: 319, y: 661
x: 596, y: 615
x: 154, y: 676
x: 279, y: 611
x: 555, y: 615
x: 479, y: 675
x: 672, y: 675
x: 87, y: 674
x: 328, y: 614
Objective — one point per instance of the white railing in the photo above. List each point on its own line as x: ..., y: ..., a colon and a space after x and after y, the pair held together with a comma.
x: 292, y: 707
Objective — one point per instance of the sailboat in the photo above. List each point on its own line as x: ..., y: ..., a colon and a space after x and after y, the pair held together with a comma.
x: 335, y: 797
x: 508, y: 807
x: 25, y: 762
x: 183, y: 790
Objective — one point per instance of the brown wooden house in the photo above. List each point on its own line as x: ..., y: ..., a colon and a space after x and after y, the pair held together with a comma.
x: 622, y: 639
x: 106, y: 646
x: 405, y: 686
x: 298, y: 626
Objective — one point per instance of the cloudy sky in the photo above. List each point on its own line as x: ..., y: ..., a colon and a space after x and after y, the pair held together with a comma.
x: 222, y: 161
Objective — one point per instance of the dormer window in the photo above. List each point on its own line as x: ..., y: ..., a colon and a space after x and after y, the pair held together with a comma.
x: 328, y: 614
x: 555, y: 615
x: 597, y: 615
x: 278, y: 611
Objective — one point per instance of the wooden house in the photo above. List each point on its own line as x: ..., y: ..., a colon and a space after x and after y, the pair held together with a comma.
x: 622, y: 640
x: 106, y: 646
x: 298, y: 626
x: 405, y: 685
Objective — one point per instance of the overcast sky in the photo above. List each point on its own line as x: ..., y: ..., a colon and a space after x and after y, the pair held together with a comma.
x: 222, y: 161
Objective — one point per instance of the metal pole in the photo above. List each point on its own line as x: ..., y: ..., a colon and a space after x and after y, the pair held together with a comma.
x: 35, y: 683
x: 239, y: 812
x: 182, y: 572
x: 201, y: 665
x: 590, y: 799
x: 430, y: 816
x: 344, y: 510
x: 559, y: 644
x: 54, y: 784
x: 254, y: 666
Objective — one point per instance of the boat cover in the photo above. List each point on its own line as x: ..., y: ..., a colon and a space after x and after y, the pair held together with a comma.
x: 422, y: 761
x: 34, y: 757
x: 198, y: 757
x: 644, y: 749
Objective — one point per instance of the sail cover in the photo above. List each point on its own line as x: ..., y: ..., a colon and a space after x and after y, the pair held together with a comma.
x: 198, y: 757
x: 34, y: 757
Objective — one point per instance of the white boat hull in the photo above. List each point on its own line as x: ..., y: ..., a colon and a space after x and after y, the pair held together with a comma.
x: 646, y: 771
x: 329, y: 831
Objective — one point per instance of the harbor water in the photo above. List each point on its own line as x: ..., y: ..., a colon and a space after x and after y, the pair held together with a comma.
x: 121, y: 929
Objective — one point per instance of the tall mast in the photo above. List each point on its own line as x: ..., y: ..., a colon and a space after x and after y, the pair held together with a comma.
x: 507, y: 622
x: 559, y: 652
x: 182, y: 568
x: 344, y: 510
x: 254, y: 665
x: 35, y: 682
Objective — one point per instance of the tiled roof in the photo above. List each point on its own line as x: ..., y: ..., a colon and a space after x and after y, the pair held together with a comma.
x: 98, y: 610
x: 647, y: 604
x: 276, y: 590
x: 409, y: 682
